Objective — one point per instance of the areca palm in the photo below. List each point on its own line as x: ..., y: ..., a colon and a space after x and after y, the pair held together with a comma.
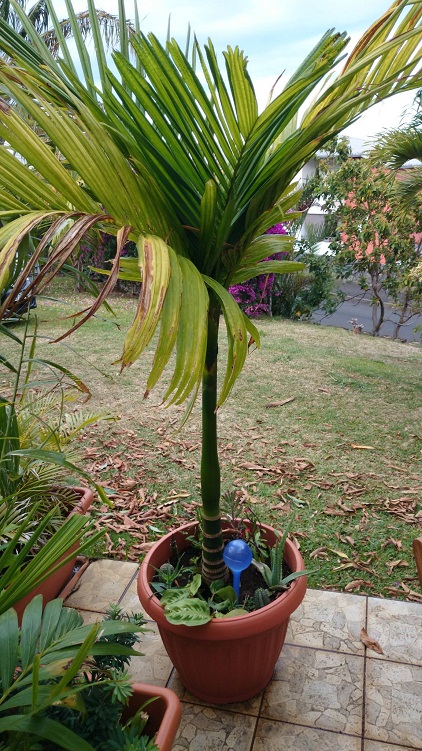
x: 184, y: 164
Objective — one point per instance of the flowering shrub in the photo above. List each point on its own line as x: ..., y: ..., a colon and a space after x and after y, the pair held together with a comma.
x: 255, y: 296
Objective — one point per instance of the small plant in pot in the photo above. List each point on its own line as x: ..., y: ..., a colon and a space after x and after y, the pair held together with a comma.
x: 195, y: 175
x: 37, y: 434
x: 187, y: 602
x: 65, y: 685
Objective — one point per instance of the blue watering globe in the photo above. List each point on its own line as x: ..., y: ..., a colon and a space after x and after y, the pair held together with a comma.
x: 237, y: 557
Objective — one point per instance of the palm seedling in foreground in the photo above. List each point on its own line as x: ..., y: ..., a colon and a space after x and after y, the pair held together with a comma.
x: 185, y: 165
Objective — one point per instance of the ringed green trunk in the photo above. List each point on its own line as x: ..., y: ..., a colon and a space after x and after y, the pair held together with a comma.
x: 213, y: 566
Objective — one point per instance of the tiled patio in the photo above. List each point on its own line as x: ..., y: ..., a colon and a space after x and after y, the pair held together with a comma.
x: 329, y: 692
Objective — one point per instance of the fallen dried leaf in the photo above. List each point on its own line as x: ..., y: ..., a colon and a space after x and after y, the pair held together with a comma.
x: 339, y: 553
x: 346, y: 565
x: 356, y: 584
x: 128, y: 484
x: 318, y: 552
x: 345, y: 508
x: 410, y: 595
x: 333, y: 512
x: 391, y: 566
x: 370, y: 643
x: 254, y: 467
x: 280, y: 404
x: 391, y: 541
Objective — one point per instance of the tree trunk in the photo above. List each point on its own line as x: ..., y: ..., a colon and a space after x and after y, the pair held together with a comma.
x: 213, y: 566
x: 377, y: 317
x: 402, y: 318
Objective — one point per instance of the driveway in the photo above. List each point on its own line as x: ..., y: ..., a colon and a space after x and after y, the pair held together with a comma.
x: 356, y: 306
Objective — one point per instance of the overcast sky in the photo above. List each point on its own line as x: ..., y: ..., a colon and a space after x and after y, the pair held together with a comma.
x: 275, y: 35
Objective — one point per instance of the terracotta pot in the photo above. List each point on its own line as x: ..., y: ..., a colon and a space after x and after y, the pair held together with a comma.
x: 231, y: 659
x: 164, y: 712
x: 54, y: 584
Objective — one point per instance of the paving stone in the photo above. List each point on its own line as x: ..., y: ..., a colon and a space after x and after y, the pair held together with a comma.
x: 317, y: 688
x: 90, y: 616
x: 378, y: 746
x: 397, y: 626
x: 209, y: 729
x: 394, y: 703
x: 130, y: 600
x: 277, y: 736
x: 154, y: 667
x: 314, y: 702
x: 250, y: 707
x: 329, y: 620
x: 102, y: 583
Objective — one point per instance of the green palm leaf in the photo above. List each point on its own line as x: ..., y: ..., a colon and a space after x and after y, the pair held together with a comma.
x: 45, y: 728
x: 8, y: 647
x: 31, y: 624
x: 236, y: 337
x: 192, y: 335
x: 155, y: 268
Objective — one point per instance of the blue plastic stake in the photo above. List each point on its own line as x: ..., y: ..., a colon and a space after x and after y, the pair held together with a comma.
x: 237, y: 557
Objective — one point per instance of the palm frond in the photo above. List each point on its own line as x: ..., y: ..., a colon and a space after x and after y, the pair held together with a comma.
x: 108, y: 23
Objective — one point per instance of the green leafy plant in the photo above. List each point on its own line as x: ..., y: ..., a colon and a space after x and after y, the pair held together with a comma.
x: 20, y: 571
x: 261, y: 598
x: 185, y: 606
x: 35, y: 538
x: 167, y: 576
x: 299, y: 295
x: 35, y: 428
x: 375, y: 238
x: 195, y: 603
x: 273, y: 573
x: 47, y: 668
x: 195, y: 185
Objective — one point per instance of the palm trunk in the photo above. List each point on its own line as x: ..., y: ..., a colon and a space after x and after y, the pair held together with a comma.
x: 213, y: 566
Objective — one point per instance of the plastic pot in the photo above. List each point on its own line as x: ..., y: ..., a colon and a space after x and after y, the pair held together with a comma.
x: 53, y: 585
x: 231, y: 659
x: 164, y: 712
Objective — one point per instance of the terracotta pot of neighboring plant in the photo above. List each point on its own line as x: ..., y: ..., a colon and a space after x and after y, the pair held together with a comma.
x: 164, y: 713
x: 229, y: 659
x: 53, y: 585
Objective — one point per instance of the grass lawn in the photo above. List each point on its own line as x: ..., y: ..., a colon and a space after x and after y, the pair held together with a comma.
x: 322, y: 423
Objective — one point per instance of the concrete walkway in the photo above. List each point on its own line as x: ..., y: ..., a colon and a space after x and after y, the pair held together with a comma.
x: 329, y: 692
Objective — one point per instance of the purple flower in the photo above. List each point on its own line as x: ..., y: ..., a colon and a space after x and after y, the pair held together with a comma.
x: 260, y: 289
x: 277, y: 229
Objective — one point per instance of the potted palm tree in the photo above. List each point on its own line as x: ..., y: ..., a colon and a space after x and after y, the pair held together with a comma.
x: 184, y: 164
